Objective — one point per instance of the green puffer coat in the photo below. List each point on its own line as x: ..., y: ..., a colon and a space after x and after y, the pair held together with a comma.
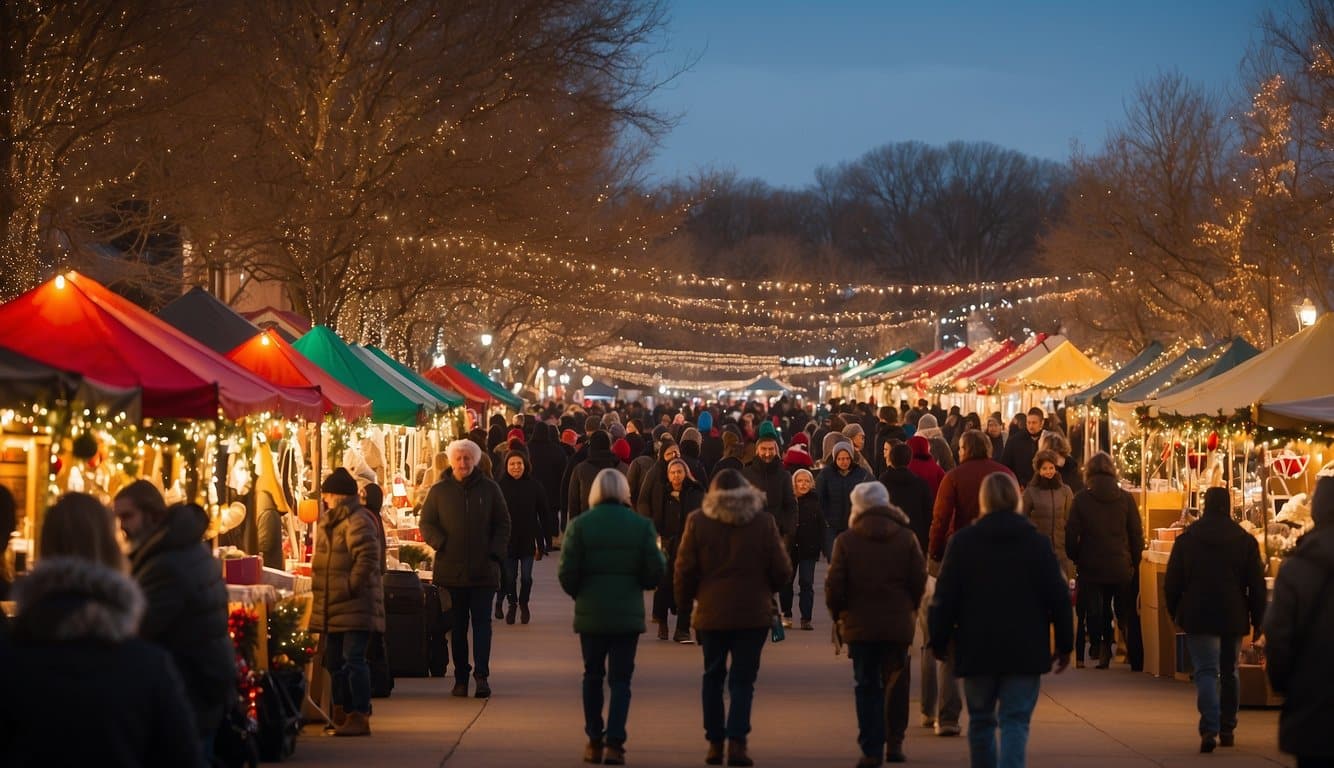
x: 608, y: 558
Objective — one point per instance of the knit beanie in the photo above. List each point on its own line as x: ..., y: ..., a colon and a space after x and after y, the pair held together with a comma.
x: 622, y: 450
x: 340, y: 482
x: 691, y: 435
x: 796, y: 457
x: 767, y: 429
x: 609, y: 418
x: 599, y: 441
x: 927, y: 421
x: 921, y: 447
x: 515, y: 434
x: 830, y: 440
x: 569, y: 437
x: 705, y: 421
x: 866, y: 496
x: 852, y: 430
x: 801, y: 438
x: 616, y: 431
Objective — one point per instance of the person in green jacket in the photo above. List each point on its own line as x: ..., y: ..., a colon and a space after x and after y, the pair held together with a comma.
x: 608, y: 559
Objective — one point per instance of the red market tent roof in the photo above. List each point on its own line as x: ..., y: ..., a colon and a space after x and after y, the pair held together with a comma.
x: 908, y: 372
x: 1028, y: 353
x: 475, y: 394
x: 944, y: 362
x: 1004, y: 352
x: 74, y: 323
x: 278, y: 362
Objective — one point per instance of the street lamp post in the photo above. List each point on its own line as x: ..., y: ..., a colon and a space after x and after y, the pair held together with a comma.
x: 1306, y: 313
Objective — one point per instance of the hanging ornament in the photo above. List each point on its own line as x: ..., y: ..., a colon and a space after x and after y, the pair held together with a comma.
x: 1212, y: 442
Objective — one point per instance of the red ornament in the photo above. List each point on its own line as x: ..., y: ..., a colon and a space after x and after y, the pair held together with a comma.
x: 1212, y: 442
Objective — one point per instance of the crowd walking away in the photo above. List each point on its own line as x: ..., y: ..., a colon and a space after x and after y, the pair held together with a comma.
x: 995, y: 556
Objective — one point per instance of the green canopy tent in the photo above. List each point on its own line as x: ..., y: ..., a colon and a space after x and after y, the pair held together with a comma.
x: 449, y: 397
x: 888, y: 364
x: 389, y: 405
x: 433, y: 399
x: 476, y: 376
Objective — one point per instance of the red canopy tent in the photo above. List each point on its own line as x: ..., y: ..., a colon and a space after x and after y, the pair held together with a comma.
x: 476, y: 396
x: 272, y: 358
x: 76, y: 324
x: 1004, y: 352
x: 944, y: 362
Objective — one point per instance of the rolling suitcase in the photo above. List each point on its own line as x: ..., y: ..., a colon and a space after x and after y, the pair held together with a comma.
x: 405, y: 626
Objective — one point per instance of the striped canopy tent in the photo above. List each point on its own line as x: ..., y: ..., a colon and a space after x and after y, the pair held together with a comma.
x: 450, y: 398
x: 1028, y: 353
x: 389, y: 404
x: 920, y: 375
x: 271, y: 357
x: 475, y: 396
x: 1128, y: 373
x: 74, y: 323
x: 964, y: 376
x: 1193, y: 366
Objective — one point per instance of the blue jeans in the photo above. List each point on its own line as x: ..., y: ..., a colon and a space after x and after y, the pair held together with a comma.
x: 829, y: 535
x: 350, y: 675
x: 882, y: 703
x: 612, y: 657
x: 1217, y: 681
x: 517, y: 571
x: 806, y: 583
x: 471, y: 604
x: 744, y: 646
x: 1015, y: 696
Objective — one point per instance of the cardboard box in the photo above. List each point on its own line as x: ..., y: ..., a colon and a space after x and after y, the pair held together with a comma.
x: 243, y: 570
x: 1254, y: 689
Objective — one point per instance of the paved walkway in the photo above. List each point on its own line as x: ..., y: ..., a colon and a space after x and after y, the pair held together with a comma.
x: 803, y: 713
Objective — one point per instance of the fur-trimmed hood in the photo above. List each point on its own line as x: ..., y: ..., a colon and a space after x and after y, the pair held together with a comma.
x: 68, y: 598
x: 736, y: 506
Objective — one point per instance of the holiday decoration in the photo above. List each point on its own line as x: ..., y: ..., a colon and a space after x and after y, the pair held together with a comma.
x: 290, y: 646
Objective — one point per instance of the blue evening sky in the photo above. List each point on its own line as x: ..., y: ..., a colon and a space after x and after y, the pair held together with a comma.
x: 782, y: 86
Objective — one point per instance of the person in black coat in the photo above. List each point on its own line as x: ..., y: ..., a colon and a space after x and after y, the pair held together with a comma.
x: 908, y: 492
x: 766, y: 472
x: 1023, y: 446
x: 1297, y: 629
x: 599, y: 458
x: 711, y: 444
x: 547, y: 463
x: 887, y: 431
x: 529, y: 515
x: 1215, y: 589
x: 803, y: 548
x: 186, y: 599
x: 670, y: 505
x: 999, y: 596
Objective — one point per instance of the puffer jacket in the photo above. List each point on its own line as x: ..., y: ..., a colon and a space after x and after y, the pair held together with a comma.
x: 581, y: 480
x: 1215, y: 583
x: 1104, y: 536
x: 75, y: 659
x: 1047, y: 504
x: 731, y: 562
x: 1298, y: 625
x: 468, y: 524
x: 834, y: 490
x: 876, y: 578
x: 186, y: 610
x: 530, y: 517
x: 608, y: 558
x: 911, y: 494
x: 349, y: 591
x: 775, y: 482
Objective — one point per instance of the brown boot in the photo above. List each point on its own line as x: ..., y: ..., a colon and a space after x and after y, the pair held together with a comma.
x: 593, y: 752
x: 339, y: 715
x: 736, y: 753
x: 715, y: 756
x: 614, y: 755
x: 357, y: 724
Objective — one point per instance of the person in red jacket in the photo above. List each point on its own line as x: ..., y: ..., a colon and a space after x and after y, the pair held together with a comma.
x: 957, y: 500
x: 924, y: 465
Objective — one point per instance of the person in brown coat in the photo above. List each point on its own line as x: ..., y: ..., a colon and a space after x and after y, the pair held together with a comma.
x: 874, y: 587
x: 729, y: 564
x: 349, y: 598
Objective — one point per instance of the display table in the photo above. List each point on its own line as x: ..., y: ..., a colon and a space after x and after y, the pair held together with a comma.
x: 1164, y: 507
x: 1156, y: 627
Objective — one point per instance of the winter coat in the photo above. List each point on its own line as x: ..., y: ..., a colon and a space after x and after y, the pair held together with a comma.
x: 1298, y: 626
x: 186, y: 611
x: 775, y: 483
x: 729, y: 462
x: 808, y: 541
x: 998, y: 446
x: 834, y: 490
x: 608, y: 557
x: 884, y: 433
x: 876, y: 578
x: 669, y: 513
x: 468, y: 524
x: 269, y: 522
x: 999, y: 594
x: 637, y: 473
x: 1215, y: 582
x: 526, y: 501
x: 957, y: 502
x: 1071, y: 475
x: 81, y: 688
x: 650, y: 488
x: 710, y: 451
x: 1018, y: 455
x: 349, y: 593
x: 731, y: 562
x: 924, y: 465
x: 547, y: 460
x: 911, y: 494
x: 940, y: 450
x: 1104, y: 537
x: 1047, y: 504
x: 581, y: 480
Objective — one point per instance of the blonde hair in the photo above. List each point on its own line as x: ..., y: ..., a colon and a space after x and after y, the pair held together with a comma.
x: 609, y: 486
x: 1000, y: 491
x: 80, y: 526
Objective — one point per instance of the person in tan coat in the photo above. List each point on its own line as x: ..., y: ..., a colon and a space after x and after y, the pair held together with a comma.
x: 349, y: 599
x: 874, y: 587
x: 730, y: 562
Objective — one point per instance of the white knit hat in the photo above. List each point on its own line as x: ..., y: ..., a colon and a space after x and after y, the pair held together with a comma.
x: 866, y: 496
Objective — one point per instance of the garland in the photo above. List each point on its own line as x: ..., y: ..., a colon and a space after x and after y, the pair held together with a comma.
x: 290, y: 646
x: 243, y: 629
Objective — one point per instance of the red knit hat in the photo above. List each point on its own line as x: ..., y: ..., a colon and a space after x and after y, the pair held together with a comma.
x: 801, y: 438
x: 797, y: 457
x: 569, y: 437
x: 515, y: 434
x: 622, y: 450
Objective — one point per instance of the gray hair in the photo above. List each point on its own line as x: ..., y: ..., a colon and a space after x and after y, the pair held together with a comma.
x: 464, y: 445
x: 999, y: 492
x: 609, y: 486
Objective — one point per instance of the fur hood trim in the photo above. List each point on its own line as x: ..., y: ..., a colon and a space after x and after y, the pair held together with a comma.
x: 737, y: 506
x: 68, y: 598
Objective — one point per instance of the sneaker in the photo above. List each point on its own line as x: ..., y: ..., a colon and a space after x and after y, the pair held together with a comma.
x: 662, y: 630
x: 806, y: 624
x: 460, y: 689
x: 895, y: 755
x: 1227, y: 739
x: 483, y: 689
x: 1207, y: 743
x: 683, y: 637
x: 947, y: 729
x: 510, y: 613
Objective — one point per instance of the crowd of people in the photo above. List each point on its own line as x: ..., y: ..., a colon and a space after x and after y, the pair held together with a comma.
x: 938, y: 528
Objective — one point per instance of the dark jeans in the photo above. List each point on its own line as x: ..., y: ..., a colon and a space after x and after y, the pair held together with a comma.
x: 806, y: 582
x: 471, y: 604
x: 1126, y: 602
x: 882, y: 703
x: 510, y: 577
x: 744, y: 646
x: 1004, y: 700
x: 350, y: 675
x: 664, y: 599
x: 1081, y: 623
x: 829, y: 535
x: 1097, y: 600
x: 1217, y: 682
x: 612, y: 657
